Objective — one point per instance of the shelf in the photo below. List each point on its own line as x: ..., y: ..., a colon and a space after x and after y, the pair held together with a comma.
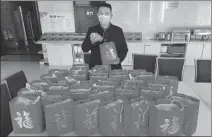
x: 42, y: 52
x: 44, y: 61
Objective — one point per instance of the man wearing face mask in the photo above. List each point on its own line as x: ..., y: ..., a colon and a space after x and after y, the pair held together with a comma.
x: 105, y: 32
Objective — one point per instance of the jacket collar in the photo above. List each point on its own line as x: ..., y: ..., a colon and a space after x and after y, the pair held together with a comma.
x: 109, y: 28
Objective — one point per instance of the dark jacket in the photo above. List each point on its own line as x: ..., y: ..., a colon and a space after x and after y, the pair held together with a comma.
x: 112, y: 34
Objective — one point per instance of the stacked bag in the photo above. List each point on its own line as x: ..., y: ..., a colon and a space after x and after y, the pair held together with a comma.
x: 112, y: 102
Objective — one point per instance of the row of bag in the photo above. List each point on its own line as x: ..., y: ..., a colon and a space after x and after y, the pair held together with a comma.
x: 173, y: 116
x: 151, y: 90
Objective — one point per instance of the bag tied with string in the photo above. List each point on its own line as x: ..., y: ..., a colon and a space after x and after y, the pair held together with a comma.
x: 27, y: 115
x: 166, y: 118
x: 86, y: 117
x: 59, y: 117
x: 191, y: 112
x: 127, y: 92
x: 111, y: 118
x: 173, y: 82
x: 136, y: 116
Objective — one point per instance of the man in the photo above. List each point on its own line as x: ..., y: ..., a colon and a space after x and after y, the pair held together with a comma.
x: 105, y: 32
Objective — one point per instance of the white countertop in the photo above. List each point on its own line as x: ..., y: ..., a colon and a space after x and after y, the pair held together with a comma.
x: 204, y: 118
x: 143, y: 41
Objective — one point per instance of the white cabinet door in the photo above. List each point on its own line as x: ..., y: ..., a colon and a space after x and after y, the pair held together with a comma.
x: 152, y: 48
x: 193, y: 51
x: 134, y: 48
x: 126, y: 60
x: 66, y: 55
x: 206, y: 54
x: 53, y: 51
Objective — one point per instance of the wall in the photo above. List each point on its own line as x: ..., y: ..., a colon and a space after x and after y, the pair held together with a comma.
x: 150, y: 18
x: 147, y: 17
x: 63, y: 13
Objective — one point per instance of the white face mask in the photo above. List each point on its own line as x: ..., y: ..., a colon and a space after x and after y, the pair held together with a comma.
x: 104, y: 19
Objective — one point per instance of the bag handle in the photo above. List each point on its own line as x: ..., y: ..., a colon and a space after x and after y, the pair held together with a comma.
x: 178, y: 102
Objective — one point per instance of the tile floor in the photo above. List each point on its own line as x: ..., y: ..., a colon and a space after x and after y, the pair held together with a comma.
x: 33, y: 69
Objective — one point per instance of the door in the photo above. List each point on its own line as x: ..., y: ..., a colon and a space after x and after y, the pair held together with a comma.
x: 152, y: 48
x: 84, y: 18
x: 134, y: 48
x: 193, y: 51
x: 206, y: 53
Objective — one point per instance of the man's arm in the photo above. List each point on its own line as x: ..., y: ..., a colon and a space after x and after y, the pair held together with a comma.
x: 122, y: 53
x: 87, y: 45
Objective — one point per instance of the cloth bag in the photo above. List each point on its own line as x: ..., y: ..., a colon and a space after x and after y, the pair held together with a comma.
x: 26, y: 115
x: 169, y: 80
x: 108, y: 53
x: 111, y: 118
x: 159, y: 87
x: 79, y: 92
x: 39, y: 85
x: 191, y: 112
x: 59, y: 117
x: 166, y: 118
x: 98, y: 76
x: 57, y: 89
x: 86, y: 117
x: 127, y: 92
x: 152, y: 93
x: 58, y: 72
x: 136, y: 116
x: 103, y: 94
x: 137, y: 72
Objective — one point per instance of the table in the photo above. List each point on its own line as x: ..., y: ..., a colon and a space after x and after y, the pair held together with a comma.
x: 203, y: 90
x: 204, y: 118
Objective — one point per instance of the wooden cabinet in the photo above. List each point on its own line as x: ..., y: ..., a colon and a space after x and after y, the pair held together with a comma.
x: 193, y: 51
x: 206, y: 53
x: 152, y: 48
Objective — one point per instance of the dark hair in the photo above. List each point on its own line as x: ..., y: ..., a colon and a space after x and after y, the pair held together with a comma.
x: 107, y: 5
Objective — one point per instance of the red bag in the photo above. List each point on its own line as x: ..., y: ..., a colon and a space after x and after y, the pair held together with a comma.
x: 49, y: 99
x: 166, y: 119
x: 58, y: 72
x: 49, y: 78
x: 127, y: 92
x: 26, y: 115
x: 136, y: 116
x: 98, y: 76
x: 164, y: 89
x: 79, y: 66
x: 29, y: 91
x: 86, y: 117
x: 39, y: 85
x: 79, y: 92
x: 57, y: 89
x: 59, y: 117
x: 133, y: 83
x: 172, y: 81
x: 137, y: 72
x: 111, y: 118
x: 119, y: 77
x: 103, y: 94
x: 108, y: 53
x: 191, y: 112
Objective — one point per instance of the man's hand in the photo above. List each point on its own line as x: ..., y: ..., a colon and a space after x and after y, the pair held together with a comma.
x: 116, y: 61
x: 94, y: 37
